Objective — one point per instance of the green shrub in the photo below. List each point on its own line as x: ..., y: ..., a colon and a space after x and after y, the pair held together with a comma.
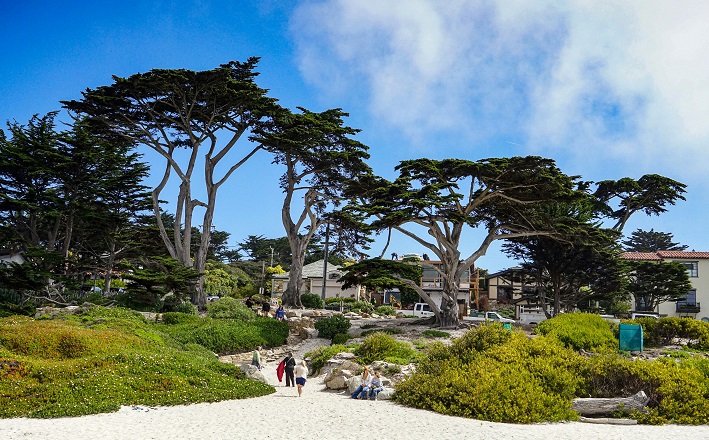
x: 340, y: 338
x: 185, y: 307
x: 320, y: 355
x: 8, y: 309
x: 311, y: 301
x: 497, y: 375
x: 386, y: 310
x: 329, y: 327
x: 389, y: 331
x: 361, y: 307
x: 663, y: 331
x: 382, y: 347
x: 230, y: 308
x: 580, y: 331
x: 174, y: 318
x: 337, y: 301
x: 435, y: 334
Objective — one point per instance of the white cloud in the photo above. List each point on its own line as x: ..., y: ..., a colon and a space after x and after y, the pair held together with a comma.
x: 588, y: 81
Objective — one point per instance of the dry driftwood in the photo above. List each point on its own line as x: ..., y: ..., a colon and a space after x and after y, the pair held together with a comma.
x: 607, y: 421
x: 606, y: 406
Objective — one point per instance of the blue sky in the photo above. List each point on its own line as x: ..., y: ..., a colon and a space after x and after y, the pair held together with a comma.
x: 607, y: 89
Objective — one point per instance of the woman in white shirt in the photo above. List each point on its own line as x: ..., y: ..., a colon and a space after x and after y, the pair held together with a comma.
x: 301, y: 372
x: 363, y: 387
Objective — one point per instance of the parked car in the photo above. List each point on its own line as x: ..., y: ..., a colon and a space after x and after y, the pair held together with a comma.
x: 487, y: 316
x: 421, y: 310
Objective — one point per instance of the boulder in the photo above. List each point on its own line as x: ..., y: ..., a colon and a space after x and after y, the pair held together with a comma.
x: 251, y: 372
x: 336, y: 383
x: 385, y: 394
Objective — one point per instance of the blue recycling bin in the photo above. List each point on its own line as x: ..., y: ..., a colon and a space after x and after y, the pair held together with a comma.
x: 631, y: 337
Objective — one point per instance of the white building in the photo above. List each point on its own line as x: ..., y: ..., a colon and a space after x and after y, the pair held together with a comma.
x: 697, y: 264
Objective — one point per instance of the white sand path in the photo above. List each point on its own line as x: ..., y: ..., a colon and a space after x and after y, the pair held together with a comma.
x: 317, y: 414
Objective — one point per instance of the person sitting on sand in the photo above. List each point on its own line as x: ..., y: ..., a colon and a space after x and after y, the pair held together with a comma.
x: 280, y: 313
x: 375, y: 386
x: 363, y: 387
x: 301, y: 372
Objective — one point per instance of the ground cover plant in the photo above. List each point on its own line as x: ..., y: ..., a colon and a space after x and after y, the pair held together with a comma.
x: 100, y: 361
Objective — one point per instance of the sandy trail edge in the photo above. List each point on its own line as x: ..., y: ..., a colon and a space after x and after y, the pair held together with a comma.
x: 318, y: 413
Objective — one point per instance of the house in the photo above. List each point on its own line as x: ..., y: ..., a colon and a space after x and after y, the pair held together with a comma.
x: 432, y: 284
x: 510, y: 286
x: 313, y: 281
x: 697, y: 264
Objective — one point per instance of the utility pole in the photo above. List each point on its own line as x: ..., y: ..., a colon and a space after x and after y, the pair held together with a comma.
x: 324, y: 266
x: 271, y: 272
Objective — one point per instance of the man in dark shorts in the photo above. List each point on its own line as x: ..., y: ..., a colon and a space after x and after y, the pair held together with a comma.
x: 265, y: 308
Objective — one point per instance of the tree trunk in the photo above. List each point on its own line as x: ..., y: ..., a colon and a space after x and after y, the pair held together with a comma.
x: 607, y: 406
x: 291, y: 296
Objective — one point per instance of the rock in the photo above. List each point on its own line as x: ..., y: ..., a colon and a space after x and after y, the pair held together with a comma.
x: 251, y: 372
x: 337, y: 383
x: 311, y: 333
x: 385, y: 394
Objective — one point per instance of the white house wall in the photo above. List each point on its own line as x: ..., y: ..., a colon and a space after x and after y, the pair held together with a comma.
x: 700, y: 283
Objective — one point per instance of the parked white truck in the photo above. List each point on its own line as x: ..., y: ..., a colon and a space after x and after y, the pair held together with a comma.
x: 420, y: 310
x: 487, y: 316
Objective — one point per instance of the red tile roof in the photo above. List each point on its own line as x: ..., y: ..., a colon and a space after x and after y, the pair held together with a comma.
x: 641, y: 256
x: 683, y: 254
x: 662, y: 255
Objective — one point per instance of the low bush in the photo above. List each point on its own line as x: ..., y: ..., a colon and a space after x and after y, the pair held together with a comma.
x: 580, y: 331
x: 340, y: 338
x: 382, y: 347
x: 361, y: 307
x: 329, y: 327
x: 497, y: 375
x: 435, y: 334
x: 385, y: 310
x: 336, y: 301
x: 388, y: 331
x: 230, y: 308
x: 665, y: 331
x: 320, y: 355
x: 9, y: 309
x: 311, y: 301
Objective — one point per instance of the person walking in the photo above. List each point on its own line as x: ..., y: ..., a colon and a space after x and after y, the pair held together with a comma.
x: 289, y: 367
x: 361, y: 391
x: 256, y: 360
x: 301, y: 372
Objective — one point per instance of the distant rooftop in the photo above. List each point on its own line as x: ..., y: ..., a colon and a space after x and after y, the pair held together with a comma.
x: 661, y: 255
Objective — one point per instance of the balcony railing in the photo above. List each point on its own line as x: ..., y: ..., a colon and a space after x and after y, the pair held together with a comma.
x: 683, y: 307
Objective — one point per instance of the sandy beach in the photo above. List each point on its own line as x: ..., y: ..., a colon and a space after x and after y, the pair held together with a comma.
x: 318, y: 413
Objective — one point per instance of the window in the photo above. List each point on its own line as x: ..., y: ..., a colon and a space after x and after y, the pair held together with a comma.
x: 692, y: 268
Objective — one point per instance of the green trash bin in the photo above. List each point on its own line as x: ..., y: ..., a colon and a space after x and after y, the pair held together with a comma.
x: 631, y: 337
x: 507, y: 326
